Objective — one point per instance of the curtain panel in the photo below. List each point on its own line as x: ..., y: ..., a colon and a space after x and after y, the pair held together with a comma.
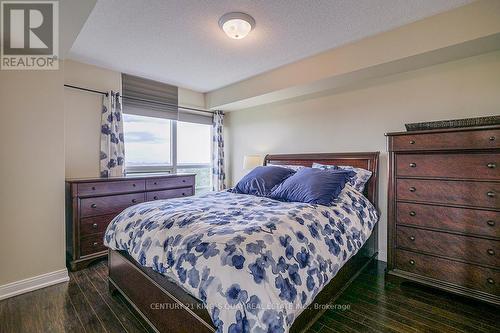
x: 218, y: 174
x: 112, y: 154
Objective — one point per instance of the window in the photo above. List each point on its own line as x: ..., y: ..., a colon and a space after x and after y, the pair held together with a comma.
x: 193, y: 143
x: 194, y: 152
x: 148, y: 143
x: 161, y: 145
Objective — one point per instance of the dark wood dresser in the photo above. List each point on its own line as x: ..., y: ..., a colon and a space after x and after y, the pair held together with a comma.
x: 444, y: 209
x: 92, y: 203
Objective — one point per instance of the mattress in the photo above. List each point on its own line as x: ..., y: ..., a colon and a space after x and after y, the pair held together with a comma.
x: 254, y: 262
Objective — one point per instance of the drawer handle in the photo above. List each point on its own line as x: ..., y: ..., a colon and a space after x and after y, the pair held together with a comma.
x: 155, y: 198
x: 413, y: 165
x: 133, y: 185
x: 491, y: 223
x: 412, y: 262
x: 155, y: 183
x: 492, y: 138
x: 412, y: 189
x: 93, y: 188
x: 93, y: 206
x: 412, y: 213
x: 134, y: 201
x: 183, y: 180
x: 94, y: 225
x: 183, y: 193
x: 412, y: 238
x: 491, y: 252
x: 491, y: 194
x: 412, y: 142
x: 491, y: 165
x: 95, y: 244
x: 490, y: 281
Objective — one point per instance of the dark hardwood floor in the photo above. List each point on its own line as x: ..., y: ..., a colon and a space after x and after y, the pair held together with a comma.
x: 369, y: 304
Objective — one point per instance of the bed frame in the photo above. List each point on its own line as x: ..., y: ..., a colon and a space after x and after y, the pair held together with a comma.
x: 166, y: 307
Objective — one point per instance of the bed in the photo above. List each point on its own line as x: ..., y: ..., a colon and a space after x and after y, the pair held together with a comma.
x: 259, y: 263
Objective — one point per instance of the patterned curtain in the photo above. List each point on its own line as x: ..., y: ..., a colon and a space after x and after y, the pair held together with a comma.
x: 218, y: 174
x: 112, y: 146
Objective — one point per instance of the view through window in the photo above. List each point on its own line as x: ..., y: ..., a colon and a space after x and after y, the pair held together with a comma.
x: 194, y: 152
x: 148, y: 143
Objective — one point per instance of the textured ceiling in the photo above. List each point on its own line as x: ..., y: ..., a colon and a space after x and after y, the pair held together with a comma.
x: 179, y: 41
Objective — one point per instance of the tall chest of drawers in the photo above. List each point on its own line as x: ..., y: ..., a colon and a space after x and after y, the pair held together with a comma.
x: 444, y: 209
x: 92, y: 203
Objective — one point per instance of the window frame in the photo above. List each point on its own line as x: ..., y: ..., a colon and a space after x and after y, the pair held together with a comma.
x: 173, y: 156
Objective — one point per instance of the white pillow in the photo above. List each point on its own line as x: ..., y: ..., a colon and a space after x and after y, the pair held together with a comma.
x: 289, y: 166
x: 358, y: 181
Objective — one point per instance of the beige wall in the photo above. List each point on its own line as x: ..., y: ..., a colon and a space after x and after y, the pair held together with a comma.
x: 356, y: 120
x: 83, y: 114
x: 190, y: 98
x: 82, y: 121
x: 31, y: 174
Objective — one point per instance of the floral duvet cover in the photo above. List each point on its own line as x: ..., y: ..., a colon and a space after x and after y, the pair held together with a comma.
x: 256, y: 263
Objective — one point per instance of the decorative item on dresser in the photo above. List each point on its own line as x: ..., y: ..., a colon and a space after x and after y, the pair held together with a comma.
x: 443, y: 210
x: 91, y: 203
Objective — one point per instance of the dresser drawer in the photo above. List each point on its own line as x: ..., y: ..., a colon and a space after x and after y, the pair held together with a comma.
x: 109, y: 204
x: 95, y: 224
x: 92, y: 244
x: 470, y: 249
x: 170, y: 182
x: 478, y: 194
x: 471, y: 166
x: 169, y: 194
x: 464, y: 220
x: 484, y: 139
x: 101, y: 188
x: 467, y: 275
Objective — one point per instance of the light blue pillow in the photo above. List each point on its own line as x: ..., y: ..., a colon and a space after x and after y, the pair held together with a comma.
x: 313, y: 186
x: 357, y: 181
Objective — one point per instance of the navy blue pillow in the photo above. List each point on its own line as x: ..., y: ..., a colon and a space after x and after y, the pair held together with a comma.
x: 314, y: 186
x: 261, y: 180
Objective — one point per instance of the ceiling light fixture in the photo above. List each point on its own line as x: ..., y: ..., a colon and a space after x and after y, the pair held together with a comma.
x: 236, y: 25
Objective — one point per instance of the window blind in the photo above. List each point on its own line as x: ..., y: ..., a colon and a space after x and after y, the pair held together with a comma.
x: 192, y: 116
x: 150, y: 98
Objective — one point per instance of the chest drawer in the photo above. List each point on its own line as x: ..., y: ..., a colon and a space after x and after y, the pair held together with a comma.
x: 484, y: 139
x: 100, y: 188
x: 471, y: 166
x: 109, y: 204
x: 477, y: 194
x: 92, y: 244
x: 95, y: 224
x: 464, y: 220
x: 467, y: 275
x: 471, y: 249
x: 172, y: 182
x: 168, y: 194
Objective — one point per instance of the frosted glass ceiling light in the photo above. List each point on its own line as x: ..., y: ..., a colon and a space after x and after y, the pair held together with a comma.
x: 236, y: 25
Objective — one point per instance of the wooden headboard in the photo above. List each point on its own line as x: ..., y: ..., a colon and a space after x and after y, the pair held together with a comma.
x: 368, y: 161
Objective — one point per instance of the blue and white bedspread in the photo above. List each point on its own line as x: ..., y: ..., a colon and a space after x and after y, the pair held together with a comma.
x: 255, y: 262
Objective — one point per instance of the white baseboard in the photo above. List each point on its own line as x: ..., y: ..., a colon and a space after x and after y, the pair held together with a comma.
x: 33, y: 283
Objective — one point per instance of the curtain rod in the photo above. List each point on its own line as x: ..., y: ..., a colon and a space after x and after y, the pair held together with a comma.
x: 139, y: 99
x: 85, y: 89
